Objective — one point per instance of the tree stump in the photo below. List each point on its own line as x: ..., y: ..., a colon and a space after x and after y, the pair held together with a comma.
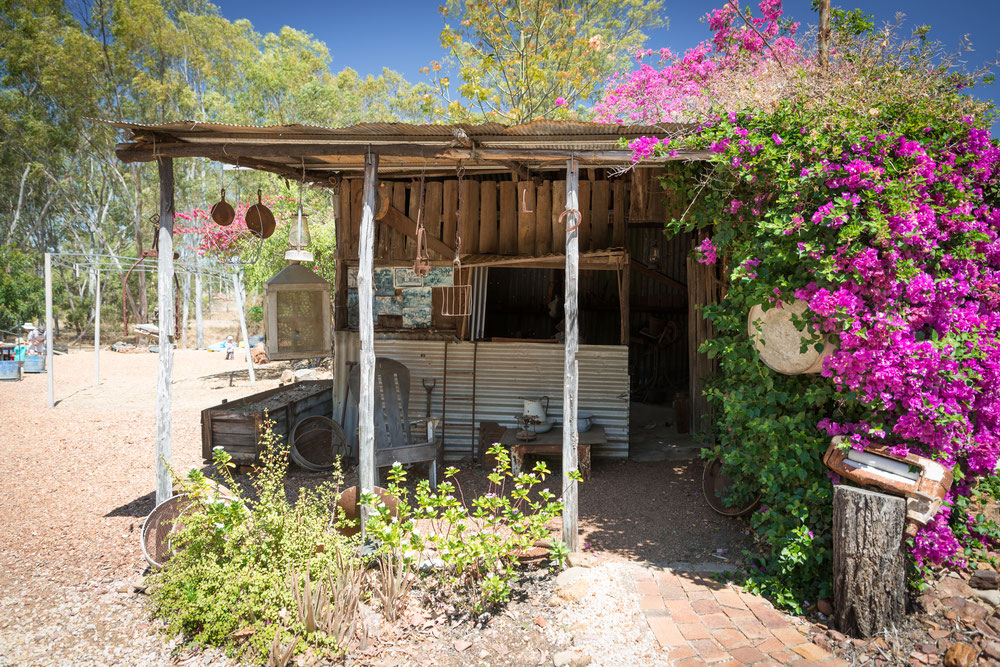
x: 869, y: 561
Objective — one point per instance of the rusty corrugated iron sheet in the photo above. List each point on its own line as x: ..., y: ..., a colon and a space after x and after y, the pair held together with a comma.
x: 486, y: 133
x: 503, y: 373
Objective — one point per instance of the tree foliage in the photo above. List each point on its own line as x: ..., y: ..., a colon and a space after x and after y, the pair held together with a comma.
x: 517, y: 60
x: 63, y: 189
x: 21, y: 298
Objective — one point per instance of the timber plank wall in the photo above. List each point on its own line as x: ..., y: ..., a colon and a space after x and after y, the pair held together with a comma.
x: 506, y: 217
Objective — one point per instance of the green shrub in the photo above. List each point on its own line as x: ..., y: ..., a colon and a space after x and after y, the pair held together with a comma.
x: 234, y: 559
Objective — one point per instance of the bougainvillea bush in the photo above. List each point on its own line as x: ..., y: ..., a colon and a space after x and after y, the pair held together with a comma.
x: 871, y: 193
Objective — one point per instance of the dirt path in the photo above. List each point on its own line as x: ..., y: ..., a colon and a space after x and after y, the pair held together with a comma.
x: 77, y: 483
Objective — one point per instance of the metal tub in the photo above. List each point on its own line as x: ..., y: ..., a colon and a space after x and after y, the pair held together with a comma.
x: 34, y: 364
x: 10, y: 370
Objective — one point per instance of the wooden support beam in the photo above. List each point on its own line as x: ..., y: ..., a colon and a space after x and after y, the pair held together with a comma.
x: 199, y: 328
x: 145, y: 152
x: 165, y: 303
x: 571, y: 437
x: 249, y: 154
x: 366, y: 331
x: 644, y: 270
x: 625, y: 300
x: 401, y: 223
x: 97, y: 328
x: 238, y: 292
x: 49, y: 331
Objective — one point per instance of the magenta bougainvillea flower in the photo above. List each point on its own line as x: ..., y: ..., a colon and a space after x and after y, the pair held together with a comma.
x: 890, y: 236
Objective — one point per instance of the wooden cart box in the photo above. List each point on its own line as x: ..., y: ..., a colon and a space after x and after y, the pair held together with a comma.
x: 235, y: 426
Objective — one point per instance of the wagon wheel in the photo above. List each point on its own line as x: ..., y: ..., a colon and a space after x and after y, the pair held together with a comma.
x: 166, y: 519
x: 715, y: 484
x: 158, y: 526
x: 317, y: 442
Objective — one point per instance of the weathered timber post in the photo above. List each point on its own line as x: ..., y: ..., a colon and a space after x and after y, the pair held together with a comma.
x: 199, y: 338
x: 185, y: 303
x: 869, y: 561
x: 97, y: 328
x: 366, y: 330
x: 571, y: 437
x: 49, y: 331
x: 165, y: 298
x: 238, y: 295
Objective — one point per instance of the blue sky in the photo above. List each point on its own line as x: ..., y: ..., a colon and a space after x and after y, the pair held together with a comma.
x: 403, y: 35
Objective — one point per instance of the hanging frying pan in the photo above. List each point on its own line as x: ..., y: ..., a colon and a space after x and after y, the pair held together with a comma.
x: 383, y: 198
x: 222, y: 213
x: 260, y: 220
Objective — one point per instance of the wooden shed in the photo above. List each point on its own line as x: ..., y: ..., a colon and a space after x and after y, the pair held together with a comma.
x: 573, y: 291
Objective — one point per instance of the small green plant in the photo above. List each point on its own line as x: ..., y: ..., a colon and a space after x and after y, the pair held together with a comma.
x: 255, y: 314
x: 330, y: 604
x: 478, y: 542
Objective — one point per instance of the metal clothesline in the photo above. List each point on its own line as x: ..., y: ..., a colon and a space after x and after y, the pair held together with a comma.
x: 96, y: 264
x: 116, y: 264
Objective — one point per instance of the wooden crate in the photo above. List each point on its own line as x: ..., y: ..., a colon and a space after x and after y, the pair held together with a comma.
x: 235, y: 426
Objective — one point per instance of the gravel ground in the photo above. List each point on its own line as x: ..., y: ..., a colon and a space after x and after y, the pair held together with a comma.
x: 76, y: 486
x: 607, y: 624
x: 78, y: 479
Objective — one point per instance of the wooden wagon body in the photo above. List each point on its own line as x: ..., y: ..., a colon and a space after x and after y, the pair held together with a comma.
x: 236, y: 425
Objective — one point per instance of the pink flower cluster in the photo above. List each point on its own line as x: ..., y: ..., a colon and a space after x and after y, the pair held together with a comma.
x: 706, y: 251
x: 681, y: 88
x: 917, y: 315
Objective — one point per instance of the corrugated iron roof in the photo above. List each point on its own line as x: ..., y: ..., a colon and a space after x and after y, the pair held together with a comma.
x: 496, y: 131
x: 322, y: 152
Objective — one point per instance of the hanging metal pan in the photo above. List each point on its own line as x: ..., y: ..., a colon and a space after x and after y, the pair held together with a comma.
x: 222, y: 213
x: 260, y: 220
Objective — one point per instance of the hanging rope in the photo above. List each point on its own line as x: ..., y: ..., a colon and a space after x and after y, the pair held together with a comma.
x: 455, y: 297
x: 421, y: 266
x: 458, y: 219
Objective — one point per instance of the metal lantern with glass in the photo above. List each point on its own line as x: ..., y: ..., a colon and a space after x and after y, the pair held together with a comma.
x: 297, y: 301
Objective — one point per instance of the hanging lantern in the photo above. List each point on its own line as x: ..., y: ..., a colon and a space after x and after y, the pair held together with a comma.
x: 298, y: 238
x: 654, y: 252
x: 297, y: 313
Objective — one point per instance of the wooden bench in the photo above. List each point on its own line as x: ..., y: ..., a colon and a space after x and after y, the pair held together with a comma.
x: 550, y: 444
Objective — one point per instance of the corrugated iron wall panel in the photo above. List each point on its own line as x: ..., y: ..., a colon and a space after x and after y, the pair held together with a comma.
x: 504, y: 373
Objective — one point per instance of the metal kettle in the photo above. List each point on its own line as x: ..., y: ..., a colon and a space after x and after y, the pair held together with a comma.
x: 535, y: 407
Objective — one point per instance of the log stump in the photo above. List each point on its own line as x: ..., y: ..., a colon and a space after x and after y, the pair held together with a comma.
x: 869, y: 561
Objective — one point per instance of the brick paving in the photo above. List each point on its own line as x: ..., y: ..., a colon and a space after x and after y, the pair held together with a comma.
x: 698, y: 620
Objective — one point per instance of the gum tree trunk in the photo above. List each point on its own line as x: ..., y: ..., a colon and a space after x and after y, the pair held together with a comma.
x: 869, y: 561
